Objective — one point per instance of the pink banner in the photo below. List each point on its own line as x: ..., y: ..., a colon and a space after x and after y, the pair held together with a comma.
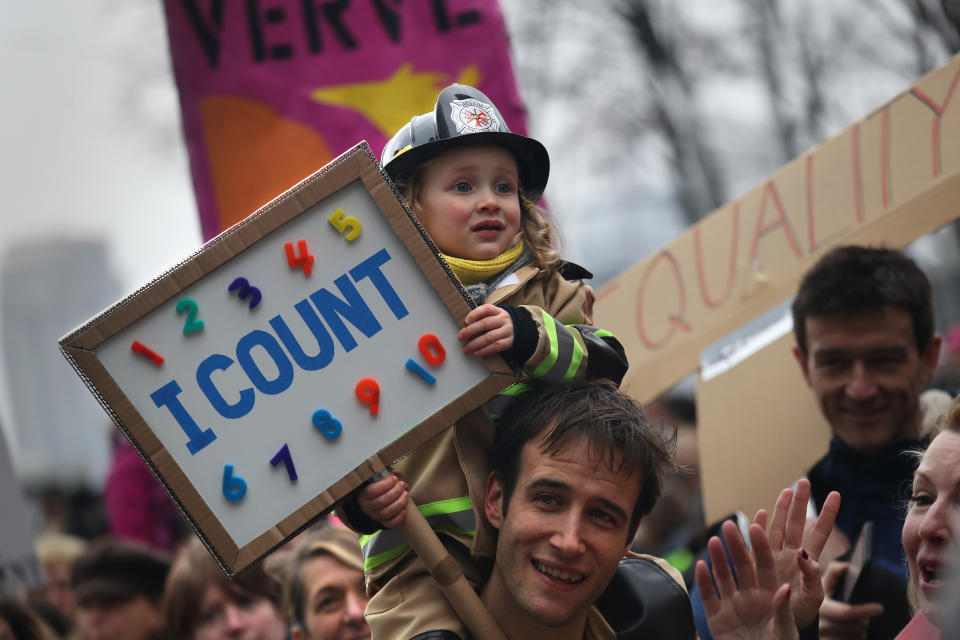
x: 271, y: 90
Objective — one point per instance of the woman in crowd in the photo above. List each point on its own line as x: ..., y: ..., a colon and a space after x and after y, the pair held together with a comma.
x: 931, y: 534
x: 324, y: 593
x: 201, y: 603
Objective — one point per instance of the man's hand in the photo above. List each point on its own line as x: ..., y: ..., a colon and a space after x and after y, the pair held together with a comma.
x: 756, y: 606
x: 489, y: 330
x: 840, y: 620
x: 385, y: 500
x: 796, y: 555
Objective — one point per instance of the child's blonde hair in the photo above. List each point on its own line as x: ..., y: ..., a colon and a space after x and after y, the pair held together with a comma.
x: 535, y: 228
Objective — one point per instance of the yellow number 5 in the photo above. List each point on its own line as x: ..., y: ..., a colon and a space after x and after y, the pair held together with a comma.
x: 341, y: 224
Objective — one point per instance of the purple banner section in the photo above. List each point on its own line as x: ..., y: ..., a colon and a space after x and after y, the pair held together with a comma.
x: 271, y: 90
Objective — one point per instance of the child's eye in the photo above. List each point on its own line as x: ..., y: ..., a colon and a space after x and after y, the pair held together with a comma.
x: 504, y: 188
x: 462, y: 187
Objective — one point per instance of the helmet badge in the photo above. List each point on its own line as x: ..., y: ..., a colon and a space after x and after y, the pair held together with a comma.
x: 473, y: 116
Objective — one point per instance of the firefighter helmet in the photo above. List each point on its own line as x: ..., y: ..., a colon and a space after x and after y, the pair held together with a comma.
x: 463, y: 116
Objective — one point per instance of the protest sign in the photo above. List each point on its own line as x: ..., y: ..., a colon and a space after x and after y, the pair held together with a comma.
x: 271, y: 91
x: 759, y: 429
x: 288, y: 360
x: 886, y: 180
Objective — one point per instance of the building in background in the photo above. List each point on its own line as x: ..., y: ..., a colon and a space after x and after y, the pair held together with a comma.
x: 57, y: 434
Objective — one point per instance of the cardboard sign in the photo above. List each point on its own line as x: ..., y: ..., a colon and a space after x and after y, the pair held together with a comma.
x: 269, y: 91
x: 886, y: 180
x: 759, y: 429
x: 288, y: 360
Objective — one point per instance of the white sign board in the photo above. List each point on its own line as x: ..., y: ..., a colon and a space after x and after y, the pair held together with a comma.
x: 298, y: 348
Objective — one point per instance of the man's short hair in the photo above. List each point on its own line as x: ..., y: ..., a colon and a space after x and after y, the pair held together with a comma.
x: 114, y: 570
x: 615, y: 428
x: 852, y: 279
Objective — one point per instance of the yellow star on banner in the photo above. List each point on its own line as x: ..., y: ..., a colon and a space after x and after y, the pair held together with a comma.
x: 390, y: 103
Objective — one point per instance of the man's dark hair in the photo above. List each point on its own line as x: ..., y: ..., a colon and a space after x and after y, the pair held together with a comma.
x: 851, y: 279
x: 615, y: 428
x: 114, y: 570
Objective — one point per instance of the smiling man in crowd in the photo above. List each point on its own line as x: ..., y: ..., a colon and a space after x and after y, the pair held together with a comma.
x: 574, y: 469
x: 865, y: 342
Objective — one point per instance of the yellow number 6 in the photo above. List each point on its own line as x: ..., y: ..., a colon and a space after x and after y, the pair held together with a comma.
x: 341, y: 224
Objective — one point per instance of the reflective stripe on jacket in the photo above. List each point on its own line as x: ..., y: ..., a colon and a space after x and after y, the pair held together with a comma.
x: 454, y: 515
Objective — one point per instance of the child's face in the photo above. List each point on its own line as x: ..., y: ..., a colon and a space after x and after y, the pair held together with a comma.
x: 470, y: 203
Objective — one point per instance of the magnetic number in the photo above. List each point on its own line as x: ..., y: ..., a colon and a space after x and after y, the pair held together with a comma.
x: 283, y: 456
x: 433, y: 352
x: 190, y: 306
x: 234, y: 487
x: 420, y: 371
x: 329, y: 426
x: 142, y: 349
x: 246, y: 291
x: 341, y: 223
x: 368, y: 392
x: 304, y: 259
x: 431, y: 349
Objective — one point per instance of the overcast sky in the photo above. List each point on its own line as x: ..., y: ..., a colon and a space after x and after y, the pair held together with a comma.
x: 91, y: 141
x: 91, y: 136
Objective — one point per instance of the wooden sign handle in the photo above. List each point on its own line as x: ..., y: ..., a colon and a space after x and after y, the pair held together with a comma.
x: 448, y: 575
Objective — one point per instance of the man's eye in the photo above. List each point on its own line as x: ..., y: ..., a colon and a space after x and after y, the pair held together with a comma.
x: 547, y: 499
x: 885, y: 362
x: 462, y: 187
x: 832, y: 364
x: 604, y: 516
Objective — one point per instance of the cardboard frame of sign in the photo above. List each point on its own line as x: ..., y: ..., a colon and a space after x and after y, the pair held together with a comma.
x: 886, y: 180
x: 291, y: 358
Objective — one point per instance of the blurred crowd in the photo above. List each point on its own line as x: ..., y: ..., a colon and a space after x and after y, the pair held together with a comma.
x: 125, y: 566
x: 119, y: 588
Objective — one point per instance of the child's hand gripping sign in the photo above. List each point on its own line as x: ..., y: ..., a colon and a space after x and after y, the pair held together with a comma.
x: 287, y: 361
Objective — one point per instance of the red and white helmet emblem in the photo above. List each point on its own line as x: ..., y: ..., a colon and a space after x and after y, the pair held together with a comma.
x: 473, y: 116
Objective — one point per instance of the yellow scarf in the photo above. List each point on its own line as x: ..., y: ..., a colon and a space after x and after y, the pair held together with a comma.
x: 474, y: 271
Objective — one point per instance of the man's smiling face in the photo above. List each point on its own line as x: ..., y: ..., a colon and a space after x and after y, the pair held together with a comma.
x: 565, y: 529
x: 867, y: 375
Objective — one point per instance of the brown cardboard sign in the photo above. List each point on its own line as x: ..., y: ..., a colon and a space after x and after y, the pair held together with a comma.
x: 886, y: 180
x: 288, y: 360
x: 759, y: 430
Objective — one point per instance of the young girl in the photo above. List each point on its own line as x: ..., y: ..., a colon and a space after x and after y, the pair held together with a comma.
x: 473, y: 185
